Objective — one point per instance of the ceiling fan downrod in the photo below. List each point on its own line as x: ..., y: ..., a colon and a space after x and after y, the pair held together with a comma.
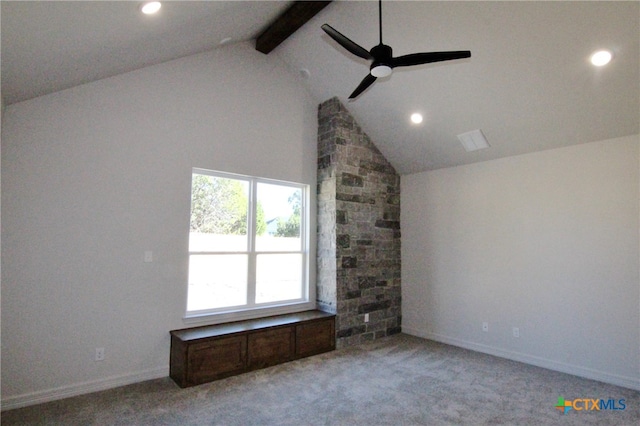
x: 381, y: 66
x: 380, y: 18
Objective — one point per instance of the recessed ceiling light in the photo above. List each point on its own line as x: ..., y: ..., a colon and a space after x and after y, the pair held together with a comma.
x: 151, y: 7
x: 601, y: 57
x: 416, y: 118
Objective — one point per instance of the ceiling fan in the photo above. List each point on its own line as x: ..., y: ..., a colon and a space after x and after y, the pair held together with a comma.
x: 382, y: 56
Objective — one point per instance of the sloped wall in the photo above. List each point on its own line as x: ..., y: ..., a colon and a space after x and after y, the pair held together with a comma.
x: 358, y: 230
x: 94, y: 176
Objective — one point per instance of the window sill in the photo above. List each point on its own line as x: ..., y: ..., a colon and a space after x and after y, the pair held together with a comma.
x: 230, y: 316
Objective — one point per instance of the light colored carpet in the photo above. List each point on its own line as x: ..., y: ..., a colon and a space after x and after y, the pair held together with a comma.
x: 398, y: 380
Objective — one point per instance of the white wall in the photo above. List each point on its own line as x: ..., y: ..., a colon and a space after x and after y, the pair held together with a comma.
x: 94, y: 176
x: 546, y: 242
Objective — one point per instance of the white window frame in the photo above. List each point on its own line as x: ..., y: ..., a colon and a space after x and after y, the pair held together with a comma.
x: 252, y: 309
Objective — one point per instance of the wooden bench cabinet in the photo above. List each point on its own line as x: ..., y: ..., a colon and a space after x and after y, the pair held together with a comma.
x: 204, y: 354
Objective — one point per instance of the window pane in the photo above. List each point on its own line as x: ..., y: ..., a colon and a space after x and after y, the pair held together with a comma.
x: 280, y: 207
x: 278, y: 277
x: 217, y: 281
x: 218, y: 214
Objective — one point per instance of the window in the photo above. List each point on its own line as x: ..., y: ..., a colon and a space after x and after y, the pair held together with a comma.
x: 248, y: 245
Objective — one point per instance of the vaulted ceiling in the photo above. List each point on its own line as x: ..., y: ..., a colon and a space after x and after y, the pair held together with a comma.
x: 528, y: 85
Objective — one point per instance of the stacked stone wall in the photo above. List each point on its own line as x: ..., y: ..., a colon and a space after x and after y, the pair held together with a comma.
x: 358, y: 230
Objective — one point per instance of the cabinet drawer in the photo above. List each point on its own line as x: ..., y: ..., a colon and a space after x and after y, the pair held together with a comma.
x: 271, y: 347
x: 215, y: 359
x: 207, y: 353
x: 315, y: 337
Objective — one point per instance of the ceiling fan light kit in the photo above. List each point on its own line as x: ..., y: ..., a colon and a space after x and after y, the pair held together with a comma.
x: 381, y: 71
x: 382, y: 58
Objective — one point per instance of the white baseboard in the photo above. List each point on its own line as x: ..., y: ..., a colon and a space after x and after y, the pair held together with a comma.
x: 587, y: 373
x: 81, y: 388
x: 116, y: 381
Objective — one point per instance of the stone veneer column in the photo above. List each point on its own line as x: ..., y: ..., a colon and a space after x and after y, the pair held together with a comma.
x: 358, y: 230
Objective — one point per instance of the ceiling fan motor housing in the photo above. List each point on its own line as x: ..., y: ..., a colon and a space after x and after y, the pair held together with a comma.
x: 382, y: 60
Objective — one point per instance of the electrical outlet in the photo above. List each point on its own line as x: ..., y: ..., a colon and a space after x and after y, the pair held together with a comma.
x: 99, y: 354
x: 485, y: 327
x: 366, y: 317
x: 516, y: 332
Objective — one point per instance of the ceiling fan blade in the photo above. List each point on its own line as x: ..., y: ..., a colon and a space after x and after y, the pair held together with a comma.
x: 425, y: 58
x: 368, y: 81
x: 346, y: 43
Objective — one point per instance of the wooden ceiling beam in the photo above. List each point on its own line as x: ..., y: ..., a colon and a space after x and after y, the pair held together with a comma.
x: 288, y: 23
